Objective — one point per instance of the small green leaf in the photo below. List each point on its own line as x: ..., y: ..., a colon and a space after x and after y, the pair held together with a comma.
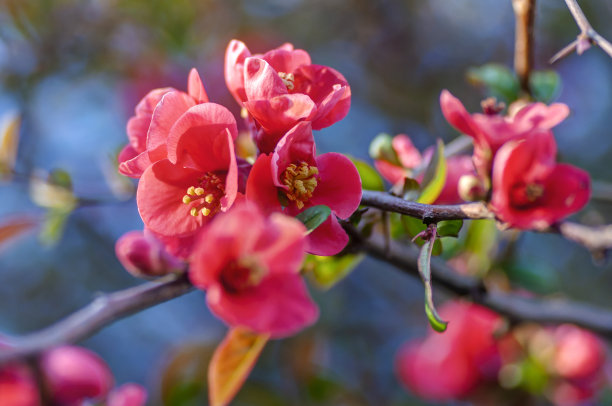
x: 449, y: 228
x: 424, y: 266
x: 435, y: 176
x: 53, y: 225
x: 328, y: 271
x: 545, y: 85
x: 381, y: 148
x: 411, y: 189
x: 314, y: 216
x: 498, y: 80
x: 370, y: 179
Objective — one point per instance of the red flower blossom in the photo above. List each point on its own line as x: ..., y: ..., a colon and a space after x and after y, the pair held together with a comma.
x: 129, y: 394
x: 410, y: 158
x: 148, y: 129
x: 293, y: 179
x: 530, y: 190
x: 249, y: 265
x: 18, y: 386
x: 491, y: 131
x: 450, y: 365
x: 579, y: 354
x: 281, y: 88
x: 143, y: 255
x: 178, y: 195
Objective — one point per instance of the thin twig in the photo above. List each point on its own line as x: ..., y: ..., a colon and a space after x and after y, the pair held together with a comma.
x: 104, y: 310
x: 588, y: 36
x: 524, y: 11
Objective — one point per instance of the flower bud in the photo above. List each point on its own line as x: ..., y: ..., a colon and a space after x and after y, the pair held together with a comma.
x: 129, y: 394
x: 73, y: 374
x: 143, y: 255
x: 580, y: 355
x: 381, y: 148
x: 470, y: 188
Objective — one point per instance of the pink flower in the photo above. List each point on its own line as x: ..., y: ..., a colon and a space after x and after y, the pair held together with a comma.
x: 249, y: 265
x: 178, y: 195
x: 410, y: 158
x: 73, y: 374
x: 281, y: 88
x: 491, y: 131
x: 451, y: 365
x: 129, y: 394
x: 143, y: 255
x: 148, y: 129
x: 302, y: 180
x: 579, y: 355
x: 17, y: 386
x: 530, y: 190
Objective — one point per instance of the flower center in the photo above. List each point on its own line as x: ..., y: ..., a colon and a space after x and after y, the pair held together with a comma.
x: 301, y: 180
x: 206, y: 195
x: 525, y: 195
x: 242, y: 274
x: 287, y: 79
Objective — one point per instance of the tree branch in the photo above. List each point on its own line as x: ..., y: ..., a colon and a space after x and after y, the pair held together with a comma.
x: 104, y: 310
x: 524, y: 11
x: 516, y: 308
x: 587, y: 37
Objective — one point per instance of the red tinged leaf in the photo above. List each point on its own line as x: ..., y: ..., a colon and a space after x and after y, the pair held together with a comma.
x: 15, y: 227
x: 232, y: 362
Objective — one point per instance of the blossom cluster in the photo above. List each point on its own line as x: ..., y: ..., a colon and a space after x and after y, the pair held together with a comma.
x: 478, y: 358
x: 228, y: 217
x: 71, y: 376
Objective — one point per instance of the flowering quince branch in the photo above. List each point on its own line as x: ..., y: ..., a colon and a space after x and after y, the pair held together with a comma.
x: 587, y: 37
x: 524, y: 11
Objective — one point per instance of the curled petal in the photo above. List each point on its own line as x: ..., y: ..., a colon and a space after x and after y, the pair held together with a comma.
x: 195, y: 88
x: 135, y: 166
x: 261, y: 81
x: 235, y: 55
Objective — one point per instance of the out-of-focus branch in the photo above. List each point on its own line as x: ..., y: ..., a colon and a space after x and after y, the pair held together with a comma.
x: 595, y: 239
x: 587, y: 37
x: 524, y: 11
x: 104, y: 310
x: 516, y: 307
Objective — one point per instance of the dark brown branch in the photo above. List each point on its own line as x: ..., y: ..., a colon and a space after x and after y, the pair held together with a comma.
x: 524, y: 11
x: 516, y: 308
x: 104, y: 310
x: 588, y: 36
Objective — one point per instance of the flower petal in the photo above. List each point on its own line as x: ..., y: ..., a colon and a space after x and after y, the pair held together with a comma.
x: 195, y: 88
x: 282, y: 244
x: 457, y: 115
x: 279, y: 114
x: 539, y: 115
x: 286, y: 60
x: 327, y: 239
x: 261, y: 81
x: 260, y: 187
x: 296, y: 146
x: 235, y: 56
x: 133, y: 167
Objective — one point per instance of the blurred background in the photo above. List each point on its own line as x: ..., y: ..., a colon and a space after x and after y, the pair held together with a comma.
x: 74, y: 70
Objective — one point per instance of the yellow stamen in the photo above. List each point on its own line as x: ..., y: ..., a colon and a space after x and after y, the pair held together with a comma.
x: 209, y: 198
x: 287, y: 79
x: 191, y: 191
x: 199, y: 191
x: 186, y: 199
x: 205, y: 211
x: 301, y: 181
x: 206, y: 195
x: 193, y: 211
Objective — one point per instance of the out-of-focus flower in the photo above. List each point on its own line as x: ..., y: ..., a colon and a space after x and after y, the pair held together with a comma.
x: 178, y: 195
x: 9, y: 139
x: 491, y: 131
x: 143, y: 255
x: 293, y: 178
x: 409, y: 158
x: 451, y: 365
x: 282, y: 87
x: 129, y: 394
x: 249, y: 265
x: 579, y: 354
x: 155, y: 115
x: 530, y: 190
x: 73, y: 374
x: 17, y: 386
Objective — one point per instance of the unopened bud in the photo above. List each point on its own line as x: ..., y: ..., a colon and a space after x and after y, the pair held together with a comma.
x: 381, y: 148
x: 143, y: 255
x: 470, y: 188
x: 129, y: 394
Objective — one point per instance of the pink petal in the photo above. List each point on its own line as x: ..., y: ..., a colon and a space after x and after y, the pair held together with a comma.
x: 137, y: 128
x: 296, y: 146
x: 282, y: 244
x: 286, y: 60
x: 327, y: 239
x: 129, y: 394
x: 542, y: 116
x: 408, y: 154
x: 195, y: 88
x: 339, y: 185
x: 261, y: 81
x: 277, y: 115
x: 392, y: 173
x: 159, y: 197
x: 198, y: 138
x: 457, y: 115
x: 231, y: 180
x: 133, y: 167
x: 235, y: 56
x: 172, y: 106
x: 280, y: 305
x: 260, y: 187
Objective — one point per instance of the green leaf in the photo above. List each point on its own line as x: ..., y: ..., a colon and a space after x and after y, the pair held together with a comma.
x: 545, y: 85
x: 435, y: 176
x: 411, y: 189
x: 381, y: 148
x: 370, y: 179
x: 449, y: 228
x: 328, y: 271
x: 424, y: 266
x: 498, y: 80
x: 314, y: 216
x: 53, y: 225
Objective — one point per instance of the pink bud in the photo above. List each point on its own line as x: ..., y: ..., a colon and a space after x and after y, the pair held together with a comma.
x: 17, y: 387
x: 73, y: 374
x: 580, y: 354
x: 143, y: 255
x: 129, y: 394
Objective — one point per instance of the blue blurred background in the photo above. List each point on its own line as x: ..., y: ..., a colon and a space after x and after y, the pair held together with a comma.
x: 74, y: 70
